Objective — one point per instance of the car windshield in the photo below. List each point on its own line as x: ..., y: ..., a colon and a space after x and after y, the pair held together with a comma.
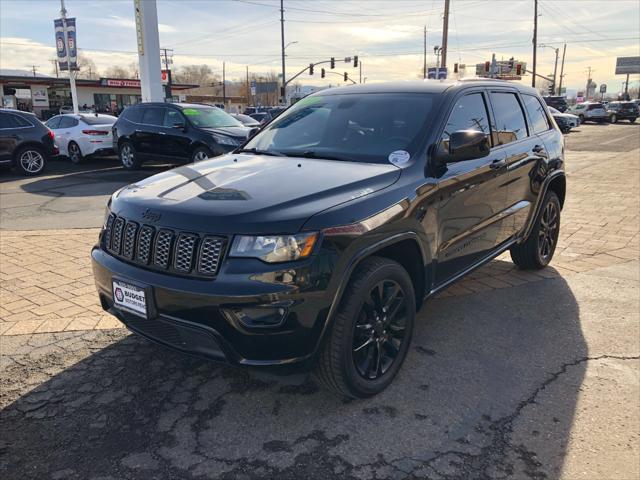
x: 210, y: 117
x: 356, y: 127
x: 98, y: 120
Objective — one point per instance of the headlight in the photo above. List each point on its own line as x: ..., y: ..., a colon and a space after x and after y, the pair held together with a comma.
x: 276, y: 248
x: 224, y: 140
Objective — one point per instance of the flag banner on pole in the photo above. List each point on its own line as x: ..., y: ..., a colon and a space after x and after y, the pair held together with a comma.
x: 60, y: 46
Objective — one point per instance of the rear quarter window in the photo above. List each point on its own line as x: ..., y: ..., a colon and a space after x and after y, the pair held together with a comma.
x: 536, y: 113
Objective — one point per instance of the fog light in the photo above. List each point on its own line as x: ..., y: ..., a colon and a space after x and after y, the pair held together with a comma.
x: 258, y: 316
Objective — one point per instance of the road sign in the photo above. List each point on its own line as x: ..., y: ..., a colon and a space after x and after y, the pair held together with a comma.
x: 627, y: 65
x: 603, y: 88
x: 437, y: 73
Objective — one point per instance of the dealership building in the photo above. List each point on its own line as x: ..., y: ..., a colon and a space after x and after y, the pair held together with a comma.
x: 45, y: 95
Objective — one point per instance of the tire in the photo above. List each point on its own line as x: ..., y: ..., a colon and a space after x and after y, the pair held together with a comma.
x: 613, y: 119
x: 632, y: 120
x: 30, y: 160
x: 128, y: 156
x: 533, y: 253
x: 359, y: 340
x: 581, y: 117
x: 74, y: 153
x: 200, y: 154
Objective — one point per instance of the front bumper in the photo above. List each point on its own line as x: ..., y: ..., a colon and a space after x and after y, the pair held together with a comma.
x: 191, y: 314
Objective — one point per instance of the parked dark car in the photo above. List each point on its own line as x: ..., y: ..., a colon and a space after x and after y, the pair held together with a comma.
x: 314, y: 244
x: 176, y: 131
x: 25, y: 142
x: 565, y: 121
x: 622, y: 111
x: 559, y: 103
x: 246, y: 120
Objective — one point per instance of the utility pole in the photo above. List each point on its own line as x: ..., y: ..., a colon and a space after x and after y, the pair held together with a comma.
x: 283, y: 91
x: 72, y: 73
x: 224, y: 85
x: 167, y: 91
x: 626, y: 86
x: 248, y: 88
x: 555, y: 71
x: 33, y: 69
x: 535, y: 42
x: 424, y: 55
x: 564, y: 52
x: 360, y: 72
x: 445, y: 34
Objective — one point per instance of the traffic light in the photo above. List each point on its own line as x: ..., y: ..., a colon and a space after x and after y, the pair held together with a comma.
x: 486, y: 66
x: 311, y: 69
x: 511, y: 62
x: 333, y: 62
x: 519, y: 69
x: 551, y: 89
x: 355, y: 61
x: 455, y: 68
x: 322, y: 73
x: 345, y: 76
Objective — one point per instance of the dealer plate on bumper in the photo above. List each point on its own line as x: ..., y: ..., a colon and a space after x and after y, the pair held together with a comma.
x: 130, y: 298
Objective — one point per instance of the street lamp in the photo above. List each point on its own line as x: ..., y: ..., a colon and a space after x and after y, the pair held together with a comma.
x: 290, y: 43
x: 437, y: 50
x: 555, y: 67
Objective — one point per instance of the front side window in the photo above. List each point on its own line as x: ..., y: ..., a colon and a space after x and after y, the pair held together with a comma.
x: 210, y: 117
x: 172, y: 118
x: 510, y: 122
x: 537, y: 115
x: 353, y: 127
x: 469, y: 113
x: 153, y: 115
x: 53, y: 123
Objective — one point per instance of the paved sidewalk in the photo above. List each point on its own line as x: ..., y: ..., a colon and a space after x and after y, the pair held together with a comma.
x: 46, y: 283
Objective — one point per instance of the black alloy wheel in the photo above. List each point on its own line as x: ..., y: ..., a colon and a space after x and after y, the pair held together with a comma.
x: 379, y: 330
x: 548, y: 231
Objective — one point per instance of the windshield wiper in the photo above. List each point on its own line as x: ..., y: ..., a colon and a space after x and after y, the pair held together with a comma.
x: 255, y: 151
x: 321, y: 156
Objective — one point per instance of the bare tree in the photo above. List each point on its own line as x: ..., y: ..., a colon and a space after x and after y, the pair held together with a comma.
x: 86, y: 67
x: 194, y: 74
x: 117, y: 71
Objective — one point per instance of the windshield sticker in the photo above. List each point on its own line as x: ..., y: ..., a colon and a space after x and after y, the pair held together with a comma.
x: 191, y: 111
x: 399, y: 157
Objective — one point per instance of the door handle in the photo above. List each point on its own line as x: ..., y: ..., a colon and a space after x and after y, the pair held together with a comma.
x: 538, y: 149
x: 498, y: 164
x: 138, y: 131
x: 162, y: 133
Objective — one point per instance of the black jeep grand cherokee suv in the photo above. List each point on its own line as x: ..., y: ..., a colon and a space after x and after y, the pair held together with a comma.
x: 316, y: 242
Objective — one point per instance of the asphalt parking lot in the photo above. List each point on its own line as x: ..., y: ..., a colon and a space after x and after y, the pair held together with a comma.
x: 510, y: 375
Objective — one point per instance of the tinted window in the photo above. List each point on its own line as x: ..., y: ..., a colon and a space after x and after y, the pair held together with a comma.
x: 210, y: 117
x: 353, y: 127
x: 21, y: 122
x: 132, y: 114
x: 153, y: 115
x: 6, y: 120
x: 101, y: 120
x: 510, y: 123
x: 173, y: 117
x: 53, y: 122
x: 536, y: 113
x: 68, y: 122
x: 595, y: 106
x: 469, y: 113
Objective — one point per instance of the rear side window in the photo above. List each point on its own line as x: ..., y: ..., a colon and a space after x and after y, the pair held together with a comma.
x: 537, y: 115
x: 510, y: 123
x: 469, y: 113
x: 595, y: 106
x: 21, y: 122
x: 6, y: 120
x: 153, y: 115
x: 132, y: 114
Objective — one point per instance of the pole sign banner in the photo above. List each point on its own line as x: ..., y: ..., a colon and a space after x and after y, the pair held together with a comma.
x: 439, y: 73
x: 603, y: 88
x: 627, y: 65
x: 61, y: 48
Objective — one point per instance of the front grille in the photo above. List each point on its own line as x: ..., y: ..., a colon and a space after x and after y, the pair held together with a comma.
x: 163, y: 249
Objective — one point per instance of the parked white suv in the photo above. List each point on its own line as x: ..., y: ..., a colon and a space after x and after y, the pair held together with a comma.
x: 590, y: 112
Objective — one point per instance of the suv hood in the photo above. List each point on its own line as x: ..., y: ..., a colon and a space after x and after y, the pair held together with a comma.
x: 239, y: 193
x: 238, y: 132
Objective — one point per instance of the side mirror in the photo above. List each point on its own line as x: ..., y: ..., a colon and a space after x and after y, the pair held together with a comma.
x: 179, y: 126
x: 468, y: 145
x: 253, y: 132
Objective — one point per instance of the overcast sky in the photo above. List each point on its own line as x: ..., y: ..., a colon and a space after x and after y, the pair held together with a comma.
x: 386, y: 34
